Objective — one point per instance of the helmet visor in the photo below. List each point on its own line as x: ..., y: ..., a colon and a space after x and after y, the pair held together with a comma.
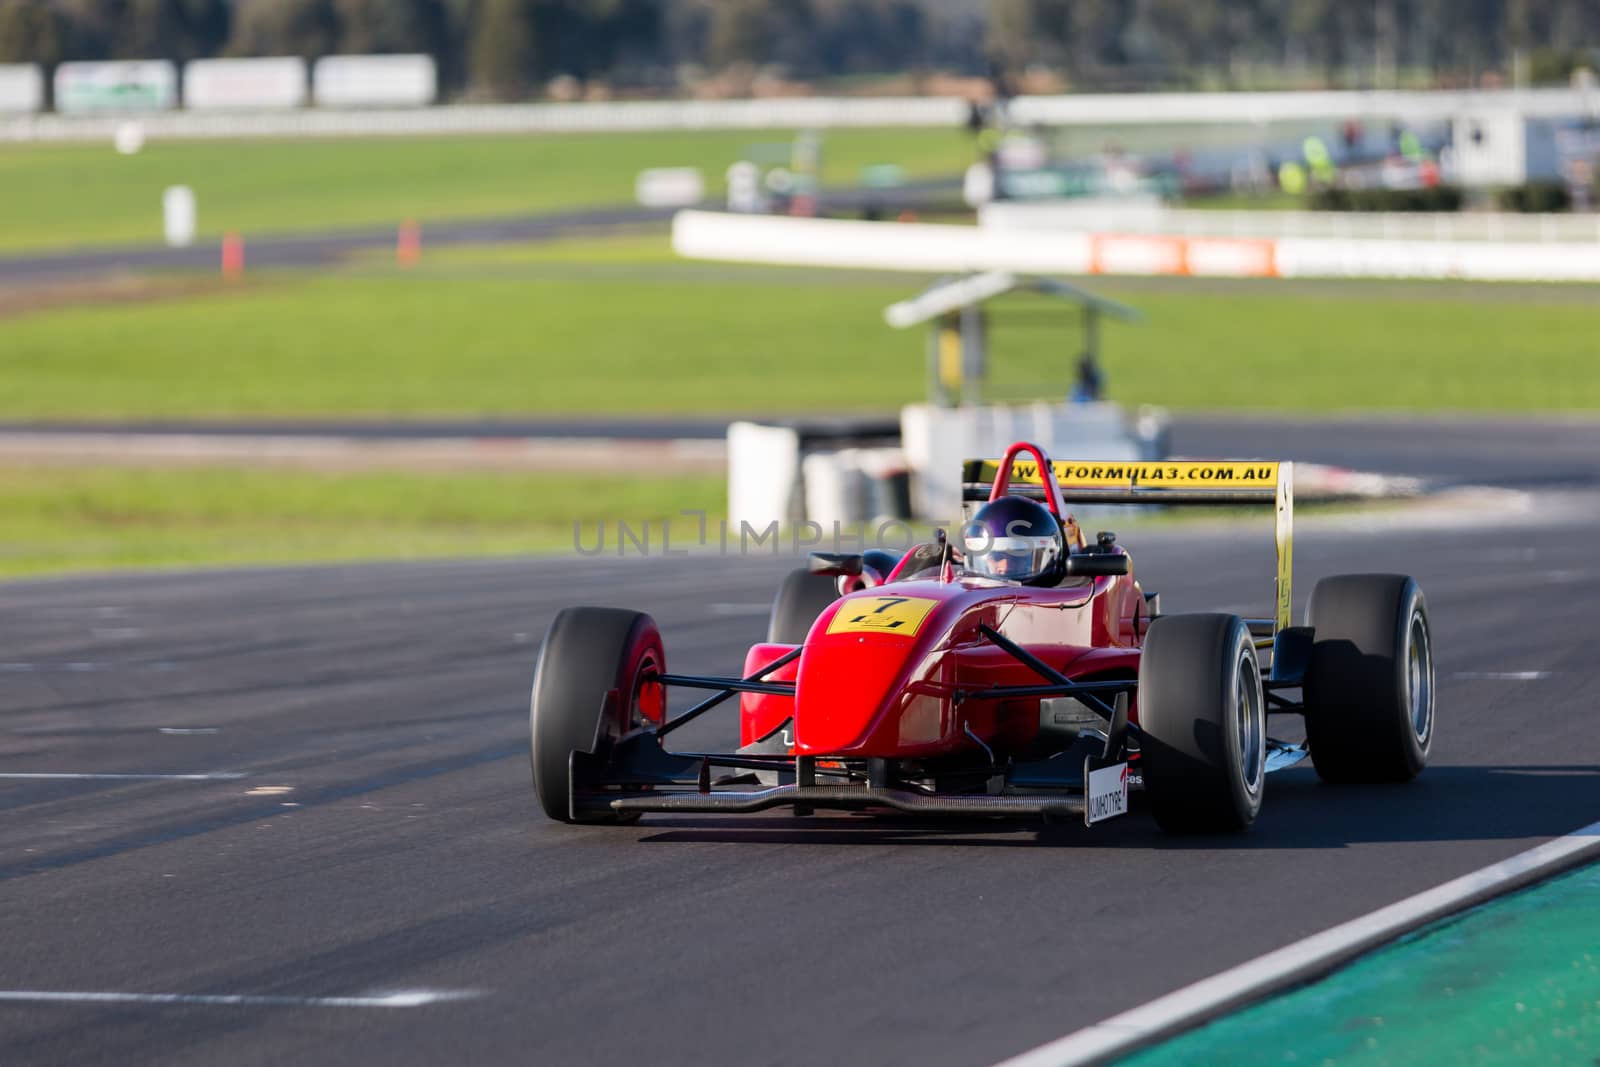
x: 1013, y: 558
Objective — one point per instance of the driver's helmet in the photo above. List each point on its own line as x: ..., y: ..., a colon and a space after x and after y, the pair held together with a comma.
x: 1015, y: 539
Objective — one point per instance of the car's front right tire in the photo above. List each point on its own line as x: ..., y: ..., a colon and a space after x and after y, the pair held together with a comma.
x: 1202, y: 723
x: 594, y: 683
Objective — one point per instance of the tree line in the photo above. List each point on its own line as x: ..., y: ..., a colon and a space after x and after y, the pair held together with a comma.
x: 510, y: 49
x: 1360, y: 43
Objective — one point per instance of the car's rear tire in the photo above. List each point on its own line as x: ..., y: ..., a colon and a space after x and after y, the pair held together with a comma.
x: 592, y: 685
x: 1369, y: 689
x: 1202, y: 722
x: 801, y: 598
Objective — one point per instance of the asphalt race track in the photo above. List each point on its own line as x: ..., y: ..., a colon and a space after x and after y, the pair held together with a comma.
x: 314, y: 249
x: 1523, y: 452
x: 322, y: 248
x: 383, y: 836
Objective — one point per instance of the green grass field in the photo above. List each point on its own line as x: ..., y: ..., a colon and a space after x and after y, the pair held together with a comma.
x: 86, y: 519
x: 1273, y: 201
x: 618, y: 326
x: 58, y: 196
x: 612, y: 325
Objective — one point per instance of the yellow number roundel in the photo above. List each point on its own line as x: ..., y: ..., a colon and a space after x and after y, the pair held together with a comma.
x: 901, y: 615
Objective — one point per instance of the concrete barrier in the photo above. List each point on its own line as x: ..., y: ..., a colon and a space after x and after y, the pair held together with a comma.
x: 1110, y: 215
x: 375, y: 81
x: 608, y: 117
x: 1089, y: 109
x: 119, y: 87
x: 21, y: 88
x: 763, y: 475
x: 836, y: 490
x: 271, y: 83
x: 946, y: 249
x: 938, y: 440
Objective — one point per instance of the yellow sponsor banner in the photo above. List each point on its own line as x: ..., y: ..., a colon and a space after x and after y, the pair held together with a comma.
x: 901, y: 615
x: 1167, y: 474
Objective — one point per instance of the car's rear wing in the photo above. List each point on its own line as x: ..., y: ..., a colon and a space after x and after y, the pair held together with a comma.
x: 1179, y: 482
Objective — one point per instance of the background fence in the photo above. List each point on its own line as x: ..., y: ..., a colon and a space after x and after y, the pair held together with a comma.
x: 403, y: 91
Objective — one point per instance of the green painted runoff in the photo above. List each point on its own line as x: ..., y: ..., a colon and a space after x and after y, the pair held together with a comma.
x: 1514, y: 981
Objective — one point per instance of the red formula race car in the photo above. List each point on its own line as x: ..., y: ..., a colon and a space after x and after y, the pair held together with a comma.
x: 1017, y: 670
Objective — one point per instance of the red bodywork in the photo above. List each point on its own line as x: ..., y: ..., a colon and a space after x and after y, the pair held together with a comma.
x: 890, y: 691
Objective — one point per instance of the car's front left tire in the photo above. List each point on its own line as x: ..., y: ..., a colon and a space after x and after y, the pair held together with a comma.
x: 1369, y: 690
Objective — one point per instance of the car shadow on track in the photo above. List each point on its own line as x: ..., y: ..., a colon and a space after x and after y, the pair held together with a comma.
x: 1444, y: 804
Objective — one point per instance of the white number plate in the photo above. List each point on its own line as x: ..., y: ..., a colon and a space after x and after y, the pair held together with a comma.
x: 1107, y: 792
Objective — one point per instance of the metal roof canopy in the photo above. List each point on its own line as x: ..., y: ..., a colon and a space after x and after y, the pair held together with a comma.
x: 947, y: 295
x: 958, y: 343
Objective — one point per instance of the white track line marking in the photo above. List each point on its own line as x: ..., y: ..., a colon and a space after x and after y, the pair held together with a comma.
x: 224, y: 776
x: 1248, y: 982
x: 81, y: 666
x: 415, y: 998
x: 185, y: 730
x: 1502, y: 676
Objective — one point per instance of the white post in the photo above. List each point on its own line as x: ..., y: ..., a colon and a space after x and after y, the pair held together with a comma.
x: 178, y: 215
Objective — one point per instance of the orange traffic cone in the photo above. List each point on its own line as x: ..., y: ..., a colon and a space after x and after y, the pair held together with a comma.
x: 408, y: 248
x: 232, y: 255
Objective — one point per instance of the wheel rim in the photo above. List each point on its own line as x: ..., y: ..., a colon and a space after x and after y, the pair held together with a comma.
x: 1419, y: 678
x: 1252, y: 730
x: 649, y: 697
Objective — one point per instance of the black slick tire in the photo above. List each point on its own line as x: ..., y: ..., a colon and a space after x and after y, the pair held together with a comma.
x: 586, y: 694
x: 1369, y: 689
x: 1202, y: 721
x: 801, y: 598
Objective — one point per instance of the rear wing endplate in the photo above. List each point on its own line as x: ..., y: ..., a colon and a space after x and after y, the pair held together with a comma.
x: 1178, y: 482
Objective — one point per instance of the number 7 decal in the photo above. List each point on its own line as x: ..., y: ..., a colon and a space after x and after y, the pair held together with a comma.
x: 899, y: 615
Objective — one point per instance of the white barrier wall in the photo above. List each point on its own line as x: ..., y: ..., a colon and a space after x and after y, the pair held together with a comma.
x: 1115, y: 216
x: 825, y: 112
x: 763, y: 475
x: 133, y: 85
x: 1412, y: 106
x: 21, y: 88
x: 959, y: 249
x: 770, y: 480
x: 375, y: 81
x: 1468, y: 260
x: 874, y: 245
x: 608, y: 117
x: 270, y: 84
